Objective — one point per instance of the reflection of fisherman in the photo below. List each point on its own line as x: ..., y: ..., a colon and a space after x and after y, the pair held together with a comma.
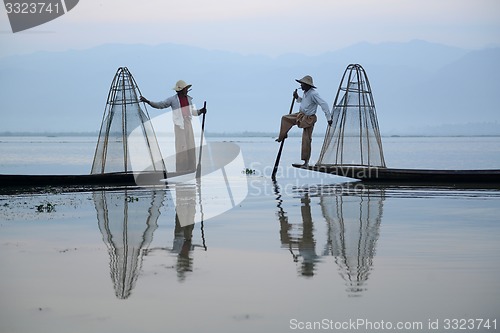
x: 183, y: 246
x: 183, y: 110
x: 184, y: 224
x: 306, y: 117
x: 305, y: 243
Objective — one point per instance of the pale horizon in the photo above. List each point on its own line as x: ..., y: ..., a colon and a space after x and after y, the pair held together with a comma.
x: 318, y: 34
x: 261, y: 27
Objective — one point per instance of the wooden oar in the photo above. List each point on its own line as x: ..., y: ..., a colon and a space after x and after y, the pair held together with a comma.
x: 198, y: 169
x: 278, y: 157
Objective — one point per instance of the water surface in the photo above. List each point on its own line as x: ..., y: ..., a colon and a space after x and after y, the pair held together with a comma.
x: 305, y: 249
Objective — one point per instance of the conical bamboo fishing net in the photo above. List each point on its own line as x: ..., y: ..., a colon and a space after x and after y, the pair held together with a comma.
x: 127, y: 142
x: 354, y: 137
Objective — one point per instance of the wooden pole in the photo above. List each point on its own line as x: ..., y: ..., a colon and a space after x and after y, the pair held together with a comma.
x: 278, y: 157
x: 198, y: 169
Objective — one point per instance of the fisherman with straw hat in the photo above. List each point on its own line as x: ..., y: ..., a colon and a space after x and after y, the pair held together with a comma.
x: 182, y: 112
x: 306, y: 117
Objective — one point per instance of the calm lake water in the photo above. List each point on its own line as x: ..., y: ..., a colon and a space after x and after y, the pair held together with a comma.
x: 307, y: 253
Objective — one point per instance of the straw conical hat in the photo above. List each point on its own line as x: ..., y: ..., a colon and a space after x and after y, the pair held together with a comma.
x: 307, y: 80
x: 179, y: 85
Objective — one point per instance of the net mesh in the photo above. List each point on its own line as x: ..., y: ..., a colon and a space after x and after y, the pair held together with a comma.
x: 354, y: 137
x: 126, y: 133
x: 127, y: 220
x: 353, y: 230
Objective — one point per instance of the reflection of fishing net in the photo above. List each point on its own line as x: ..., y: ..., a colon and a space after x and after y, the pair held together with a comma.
x: 127, y: 221
x: 353, y: 229
x: 126, y: 131
x: 354, y: 137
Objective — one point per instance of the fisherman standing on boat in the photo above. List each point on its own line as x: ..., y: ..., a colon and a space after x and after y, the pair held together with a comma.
x: 306, y: 117
x: 183, y: 110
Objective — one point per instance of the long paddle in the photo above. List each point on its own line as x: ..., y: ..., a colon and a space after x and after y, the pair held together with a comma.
x: 198, y: 169
x: 278, y: 157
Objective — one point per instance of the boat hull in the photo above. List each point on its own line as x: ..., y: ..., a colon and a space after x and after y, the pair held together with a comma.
x: 391, y: 175
x: 117, y: 179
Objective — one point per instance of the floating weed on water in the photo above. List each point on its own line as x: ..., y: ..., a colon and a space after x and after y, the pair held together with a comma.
x: 67, y: 250
x: 46, y: 208
x: 248, y: 171
x: 130, y: 198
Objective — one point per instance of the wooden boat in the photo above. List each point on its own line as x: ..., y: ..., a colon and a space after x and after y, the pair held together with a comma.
x: 117, y: 179
x: 221, y: 155
x: 391, y: 175
x: 353, y: 146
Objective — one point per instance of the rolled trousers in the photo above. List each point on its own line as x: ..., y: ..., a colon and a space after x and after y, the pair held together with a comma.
x: 304, y: 122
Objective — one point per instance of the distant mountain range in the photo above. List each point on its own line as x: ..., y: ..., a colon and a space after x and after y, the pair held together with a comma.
x: 418, y: 86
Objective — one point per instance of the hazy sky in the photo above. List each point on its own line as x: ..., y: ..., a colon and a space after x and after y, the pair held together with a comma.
x: 269, y: 27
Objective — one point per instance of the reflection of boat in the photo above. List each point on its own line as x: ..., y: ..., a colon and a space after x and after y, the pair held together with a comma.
x: 353, y: 146
x: 379, y: 174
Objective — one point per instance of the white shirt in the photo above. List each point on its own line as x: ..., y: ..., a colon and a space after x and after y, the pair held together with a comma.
x: 310, y: 101
x: 175, y: 104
